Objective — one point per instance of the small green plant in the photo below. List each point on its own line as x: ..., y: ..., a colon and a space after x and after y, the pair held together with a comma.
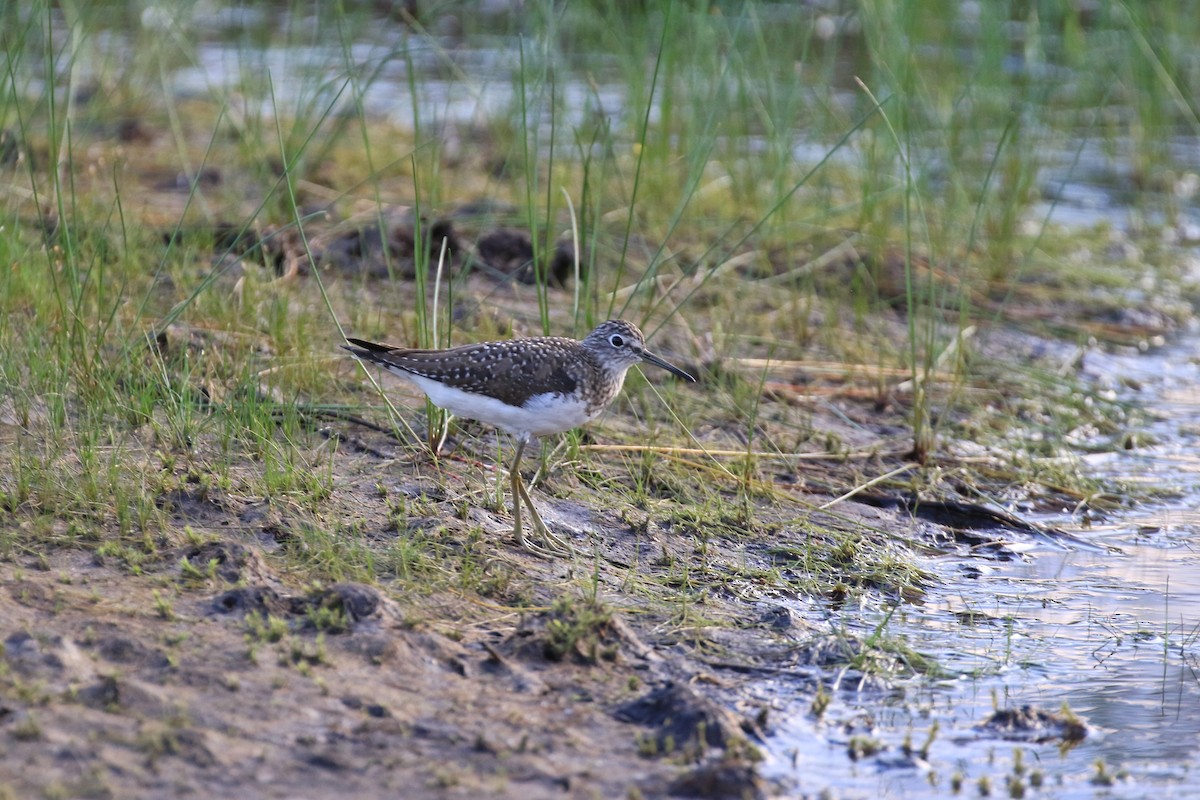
x: 860, y: 747
x: 268, y: 629
x: 305, y: 654
x: 820, y: 702
x: 163, y: 606
x: 328, y: 618
x: 577, y: 628
x: 1101, y: 776
x: 647, y: 745
x: 26, y: 729
x: 190, y: 573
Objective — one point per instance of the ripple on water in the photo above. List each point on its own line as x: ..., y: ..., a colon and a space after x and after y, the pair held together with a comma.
x: 1115, y: 637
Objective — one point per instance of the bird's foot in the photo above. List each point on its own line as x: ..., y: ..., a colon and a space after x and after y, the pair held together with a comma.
x: 546, y: 550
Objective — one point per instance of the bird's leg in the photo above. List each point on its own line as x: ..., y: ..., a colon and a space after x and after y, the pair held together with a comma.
x: 554, y: 544
x: 518, y: 494
x: 551, y: 545
x: 443, y: 430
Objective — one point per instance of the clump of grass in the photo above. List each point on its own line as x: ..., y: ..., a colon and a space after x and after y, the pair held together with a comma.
x: 27, y: 729
x: 578, y: 629
x: 268, y: 629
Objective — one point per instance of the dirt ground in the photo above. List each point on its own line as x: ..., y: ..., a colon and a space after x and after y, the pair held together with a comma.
x: 172, y: 679
x: 108, y: 695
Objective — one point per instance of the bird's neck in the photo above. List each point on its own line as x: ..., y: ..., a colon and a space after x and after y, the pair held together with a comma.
x: 612, y: 386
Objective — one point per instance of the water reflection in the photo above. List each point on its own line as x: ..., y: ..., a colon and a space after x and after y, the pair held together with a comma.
x: 1116, y: 637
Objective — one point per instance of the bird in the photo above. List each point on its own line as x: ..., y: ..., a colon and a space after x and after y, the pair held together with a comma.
x: 527, y: 387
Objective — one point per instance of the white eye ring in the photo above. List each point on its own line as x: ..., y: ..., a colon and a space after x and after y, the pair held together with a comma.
x: 616, y: 340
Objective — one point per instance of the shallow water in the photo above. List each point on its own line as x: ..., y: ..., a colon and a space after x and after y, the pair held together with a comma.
x: 1115, y: 636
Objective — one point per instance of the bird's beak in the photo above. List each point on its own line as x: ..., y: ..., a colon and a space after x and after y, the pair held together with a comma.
x: 669, y: 367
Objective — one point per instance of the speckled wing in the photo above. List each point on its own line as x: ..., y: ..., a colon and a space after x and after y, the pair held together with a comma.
x: 511, y: 371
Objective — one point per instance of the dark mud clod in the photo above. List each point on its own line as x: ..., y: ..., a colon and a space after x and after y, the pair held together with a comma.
x: 1032, y: 724
x: 509, y: 252
x: 388, y: 247
x: 687, y: 720
x: 349, y: 603
x: 726, y: 779
x: 125, y: 650
x: 229, y: 558
x: 261, y: 600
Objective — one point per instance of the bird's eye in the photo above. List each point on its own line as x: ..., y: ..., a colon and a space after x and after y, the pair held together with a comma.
x: 616, y: 340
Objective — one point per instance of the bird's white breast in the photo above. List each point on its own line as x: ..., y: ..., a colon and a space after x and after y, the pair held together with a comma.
x: 541, y: 414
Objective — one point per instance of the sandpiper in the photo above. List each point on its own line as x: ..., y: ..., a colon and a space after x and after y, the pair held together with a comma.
x: 526, y: 387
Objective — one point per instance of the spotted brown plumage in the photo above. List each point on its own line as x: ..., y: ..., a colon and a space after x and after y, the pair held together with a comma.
x: 526, y: 387
x: 509, y: 371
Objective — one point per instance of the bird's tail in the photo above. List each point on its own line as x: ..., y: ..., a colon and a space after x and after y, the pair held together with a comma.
x: 367, y: 351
